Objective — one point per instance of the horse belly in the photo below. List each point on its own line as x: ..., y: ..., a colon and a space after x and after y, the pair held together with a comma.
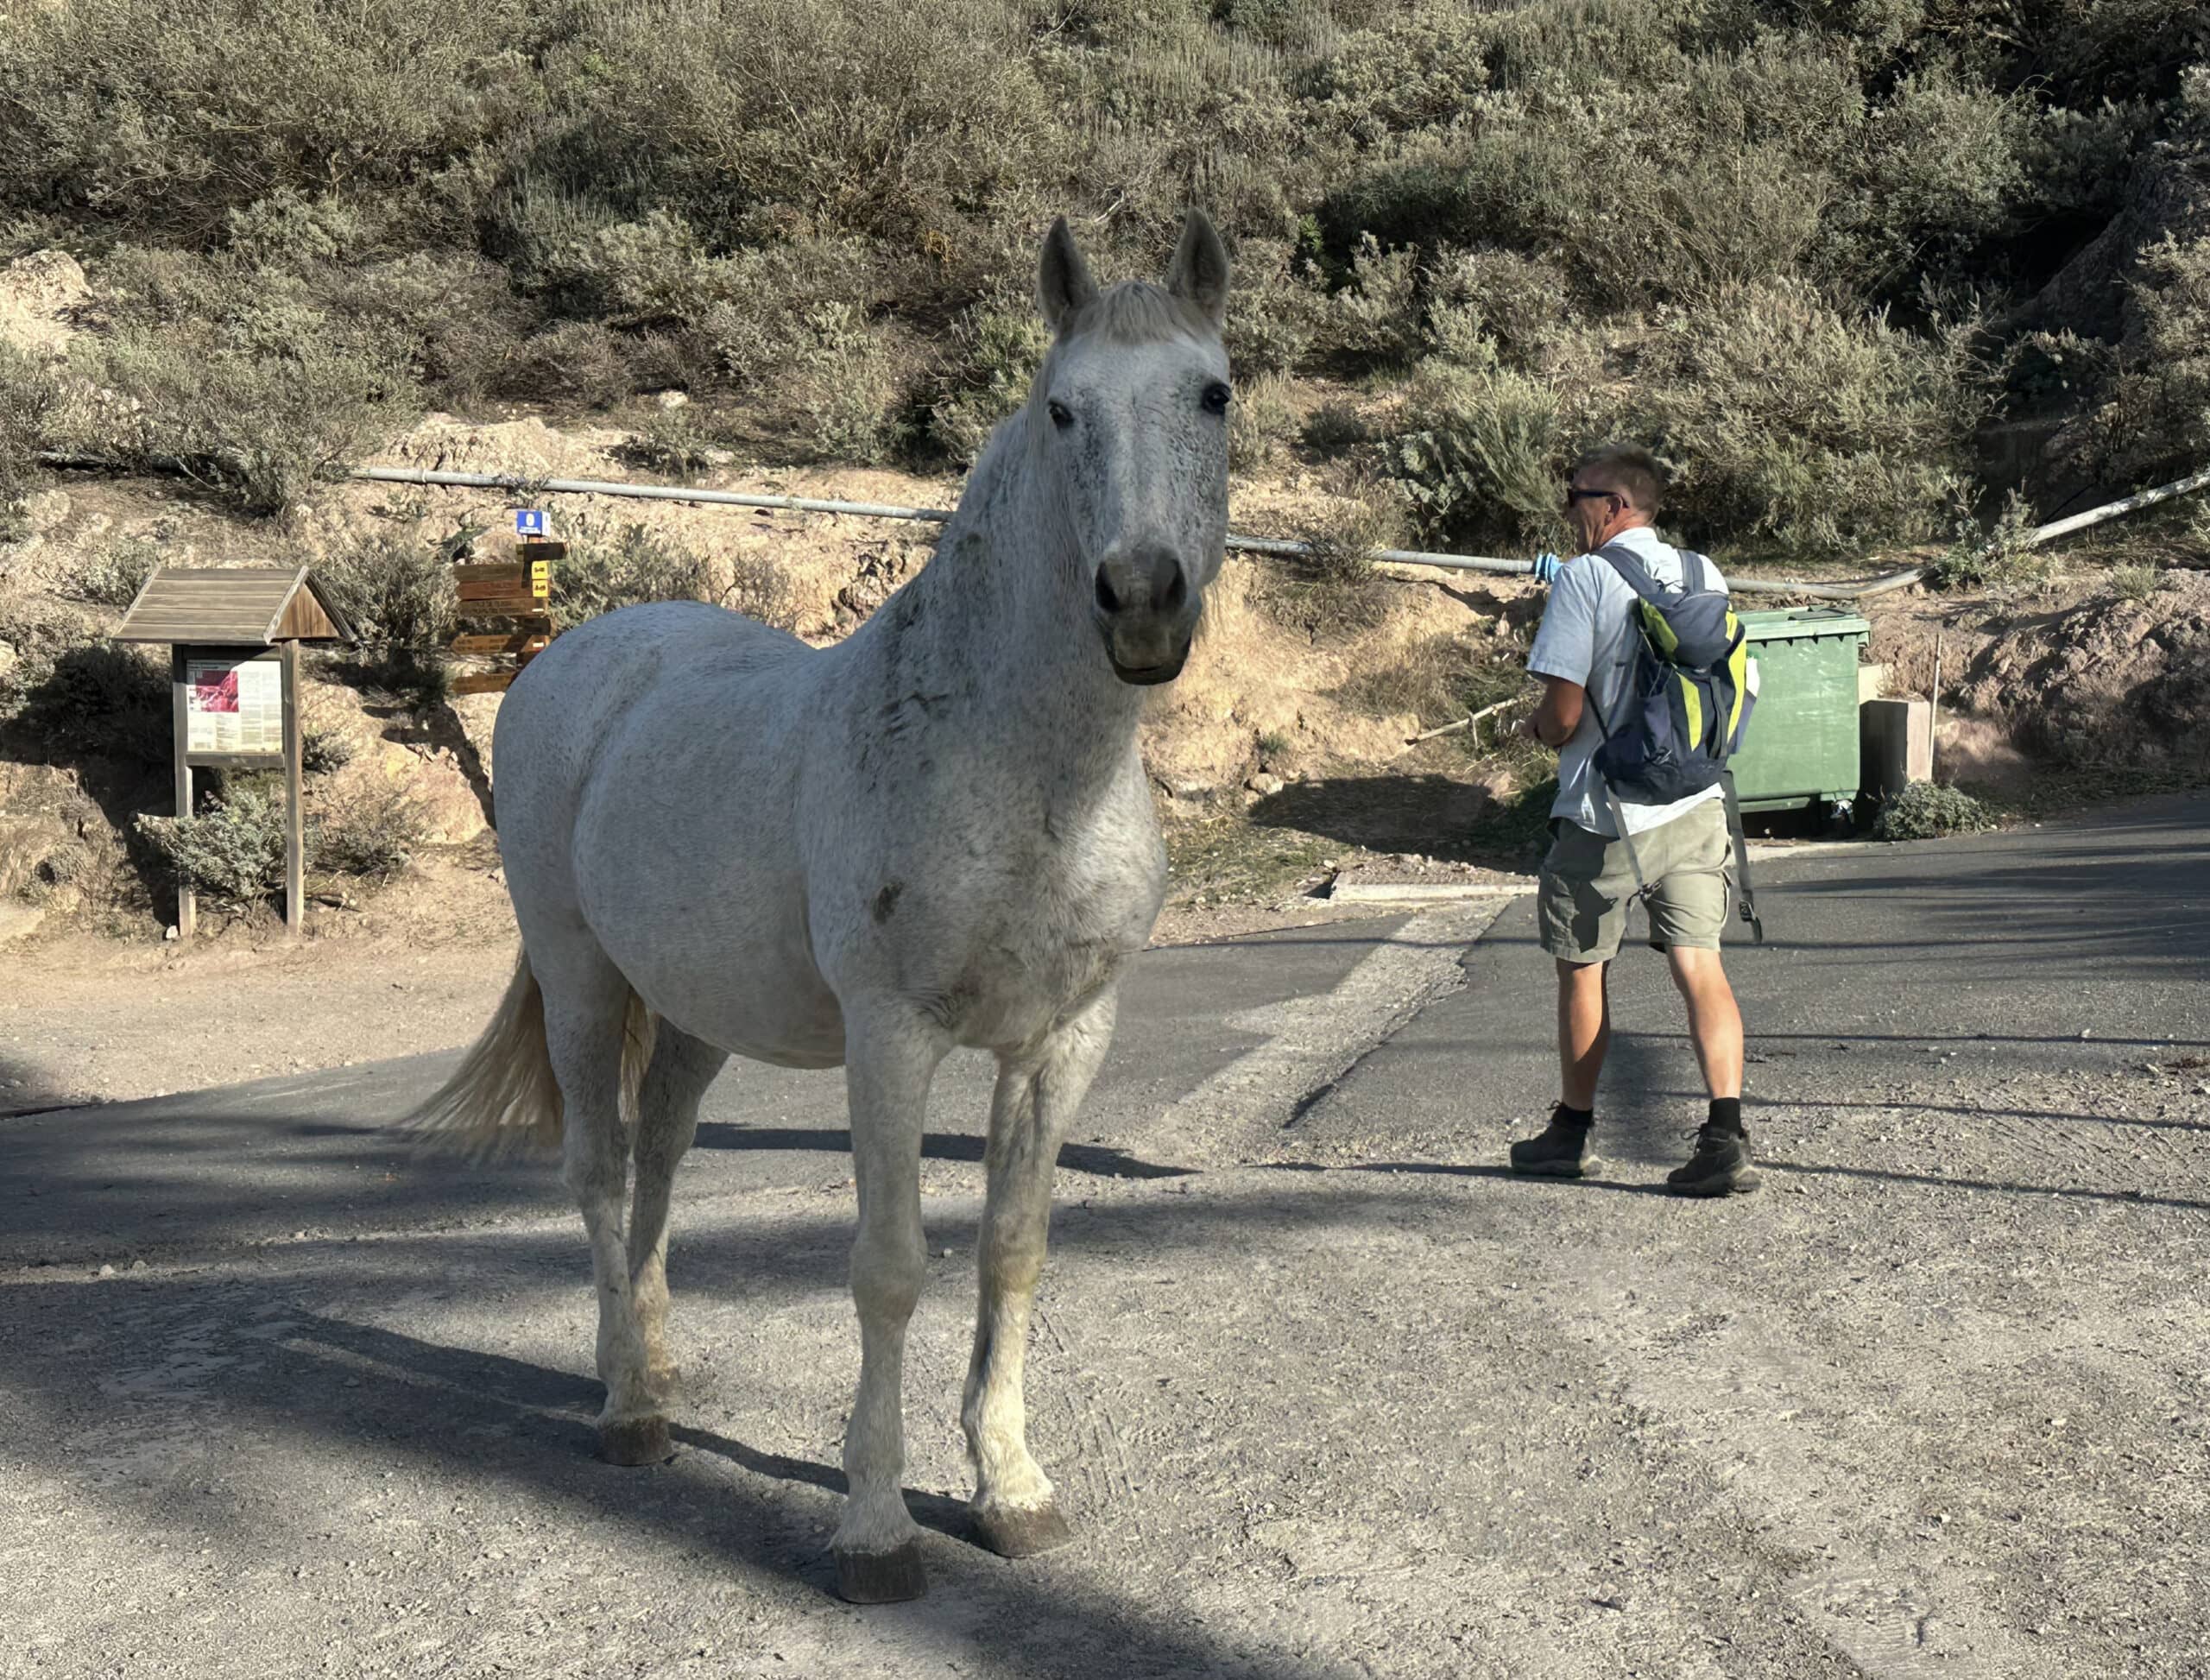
x: 749, y: 994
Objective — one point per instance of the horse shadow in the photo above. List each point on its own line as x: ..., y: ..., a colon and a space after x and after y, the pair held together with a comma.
x: 1098, y: 1160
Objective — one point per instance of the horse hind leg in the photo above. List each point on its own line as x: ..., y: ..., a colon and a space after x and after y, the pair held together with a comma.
x: 667, y: 1119
x: 1016, y: 1510
x: 587, y: 1005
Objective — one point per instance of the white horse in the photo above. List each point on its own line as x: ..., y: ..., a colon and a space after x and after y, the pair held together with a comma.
x: 937, y: 833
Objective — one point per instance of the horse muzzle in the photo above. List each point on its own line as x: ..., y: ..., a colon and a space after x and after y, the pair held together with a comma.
x: 1146, y: 614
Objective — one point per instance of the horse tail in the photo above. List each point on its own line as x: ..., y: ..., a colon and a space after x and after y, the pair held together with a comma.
x: 504, y: 1098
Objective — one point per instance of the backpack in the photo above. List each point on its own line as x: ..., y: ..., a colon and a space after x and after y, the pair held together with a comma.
x: 1686, y: 709
x: 1687, y: 700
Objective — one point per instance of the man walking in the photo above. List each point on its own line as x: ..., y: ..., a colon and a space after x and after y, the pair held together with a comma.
x: 1584, y: 653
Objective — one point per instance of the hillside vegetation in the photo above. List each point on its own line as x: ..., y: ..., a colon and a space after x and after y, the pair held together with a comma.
x: 1808, y: 250
x: 1868, y: 274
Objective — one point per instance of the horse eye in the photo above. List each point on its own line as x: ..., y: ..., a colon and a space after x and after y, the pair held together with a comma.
x: 1062, y: 416
x: 1216, y: 395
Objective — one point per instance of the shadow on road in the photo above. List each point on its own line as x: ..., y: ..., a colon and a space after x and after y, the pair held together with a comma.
x: 179, y: 1370
x: 1095, y: 1160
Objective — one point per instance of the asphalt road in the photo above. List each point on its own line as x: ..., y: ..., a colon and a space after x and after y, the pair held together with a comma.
x: 1327, y: 1392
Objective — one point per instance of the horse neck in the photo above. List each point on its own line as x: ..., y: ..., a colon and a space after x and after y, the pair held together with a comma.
x: 1003, y: 598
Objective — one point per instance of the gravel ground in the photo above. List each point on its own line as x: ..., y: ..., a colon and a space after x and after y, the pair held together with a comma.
x: 1327, y: 1392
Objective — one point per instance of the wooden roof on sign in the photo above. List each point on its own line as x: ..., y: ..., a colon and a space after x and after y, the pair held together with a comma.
x: 232, y: 606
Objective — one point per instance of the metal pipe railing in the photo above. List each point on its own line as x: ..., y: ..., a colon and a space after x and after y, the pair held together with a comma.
x: 519, y: 484
x: 1237, y: 544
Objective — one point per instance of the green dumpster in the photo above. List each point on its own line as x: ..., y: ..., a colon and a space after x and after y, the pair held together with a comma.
x: 1801, y: 749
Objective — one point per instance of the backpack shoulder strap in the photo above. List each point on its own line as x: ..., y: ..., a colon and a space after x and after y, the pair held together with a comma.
x: 1632, y: 573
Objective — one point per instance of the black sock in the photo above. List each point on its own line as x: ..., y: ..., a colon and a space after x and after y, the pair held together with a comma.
x: 1726, y: 1114
x: 1580, y: 1119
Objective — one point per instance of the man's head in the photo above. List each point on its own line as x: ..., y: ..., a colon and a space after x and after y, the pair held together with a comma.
x: 1612, y: 489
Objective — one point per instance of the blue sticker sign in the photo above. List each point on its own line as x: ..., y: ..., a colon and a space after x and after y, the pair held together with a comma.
x: 529, y: 522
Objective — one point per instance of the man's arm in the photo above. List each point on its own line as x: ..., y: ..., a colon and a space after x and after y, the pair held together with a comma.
x: 1565, y: 649
x: 1559, y: 714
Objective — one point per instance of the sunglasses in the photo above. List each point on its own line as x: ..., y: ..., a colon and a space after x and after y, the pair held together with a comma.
x: 1574, y: 496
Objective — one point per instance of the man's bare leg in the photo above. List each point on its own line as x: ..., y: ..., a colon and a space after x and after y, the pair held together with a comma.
x: 1715, y: 1022
x: 1720, y: 1164
x: 1584, y: 1030
x: 1584, y: 1034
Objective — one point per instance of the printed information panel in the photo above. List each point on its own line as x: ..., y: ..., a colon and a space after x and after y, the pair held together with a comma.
x: 234, y: 706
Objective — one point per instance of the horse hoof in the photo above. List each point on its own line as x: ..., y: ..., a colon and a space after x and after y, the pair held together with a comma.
x: 882, y: 1577
x: 1013, y: 1533
x: 635, y: 1441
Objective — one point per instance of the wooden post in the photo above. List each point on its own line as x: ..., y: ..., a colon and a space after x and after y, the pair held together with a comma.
x: 187, y: 902
x: 294, y: 830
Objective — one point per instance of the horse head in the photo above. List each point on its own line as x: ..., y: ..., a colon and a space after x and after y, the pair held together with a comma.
x: 1129, y: 413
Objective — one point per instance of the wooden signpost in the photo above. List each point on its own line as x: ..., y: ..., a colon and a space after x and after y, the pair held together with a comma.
x: 521, y: 592
x: 234, y: 634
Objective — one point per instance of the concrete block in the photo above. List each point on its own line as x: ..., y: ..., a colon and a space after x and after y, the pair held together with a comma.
x: 1896, y: 741
x: 1872, y: 682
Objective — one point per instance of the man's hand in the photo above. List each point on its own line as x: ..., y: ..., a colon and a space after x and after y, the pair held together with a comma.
x: 1547, y: 568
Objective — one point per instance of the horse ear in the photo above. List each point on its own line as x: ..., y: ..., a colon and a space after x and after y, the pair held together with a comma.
x: 1199, y: 272
x: 1063, y: 283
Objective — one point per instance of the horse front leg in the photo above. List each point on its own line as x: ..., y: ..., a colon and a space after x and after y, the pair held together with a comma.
x: 1016, y: 1512
x: 888, y: 1068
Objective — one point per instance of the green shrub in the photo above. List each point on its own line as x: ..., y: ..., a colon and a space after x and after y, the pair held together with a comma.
x: 1782, y: 417
x: 2003, y: 557
x: 176, y: 114
x: 1335, y: 425
x: 262, y: 425
x: 323, y: 749
x: 295, y: 213
x: 868, y: 116
x: 846, y: 379
x: 2135, y: 581
x: 760, y: 589
x: 1332, y: 589
x: 2154, y: 419
x: 1925, y: 809
x: 998, y: 349
x: 113, y: 577
x: 372, y: 834
x: 1279, y: 311
x: 1378, y: 315
x: 397, y: 592
x: 395, y: 589
x: 633, y: 565
x: 1259, y: 419
x: 578, y: 361
x: 233, y: 851
x: 1479, y: 447
x: 29, y: 396
x: 671, y: 442
x: 451, y: 318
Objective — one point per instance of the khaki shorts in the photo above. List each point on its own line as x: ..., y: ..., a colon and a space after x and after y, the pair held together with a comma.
x: 1586, y: 881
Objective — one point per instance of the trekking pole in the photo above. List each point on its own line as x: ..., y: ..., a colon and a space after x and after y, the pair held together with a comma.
x: 1471, y: 723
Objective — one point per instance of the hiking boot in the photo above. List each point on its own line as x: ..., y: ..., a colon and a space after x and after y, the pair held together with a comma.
x: 1719, y: 1166
x: 1560, y: 1150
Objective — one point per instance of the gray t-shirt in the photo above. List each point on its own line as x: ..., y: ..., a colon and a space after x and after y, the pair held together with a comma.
x: 1588, y: 637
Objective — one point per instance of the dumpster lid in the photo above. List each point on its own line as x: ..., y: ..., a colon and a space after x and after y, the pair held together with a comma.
x: 1798, y: 623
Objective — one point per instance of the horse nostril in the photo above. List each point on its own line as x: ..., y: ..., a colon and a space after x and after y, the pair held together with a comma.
x: 1106, y: 599
x: 1178, y: 587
